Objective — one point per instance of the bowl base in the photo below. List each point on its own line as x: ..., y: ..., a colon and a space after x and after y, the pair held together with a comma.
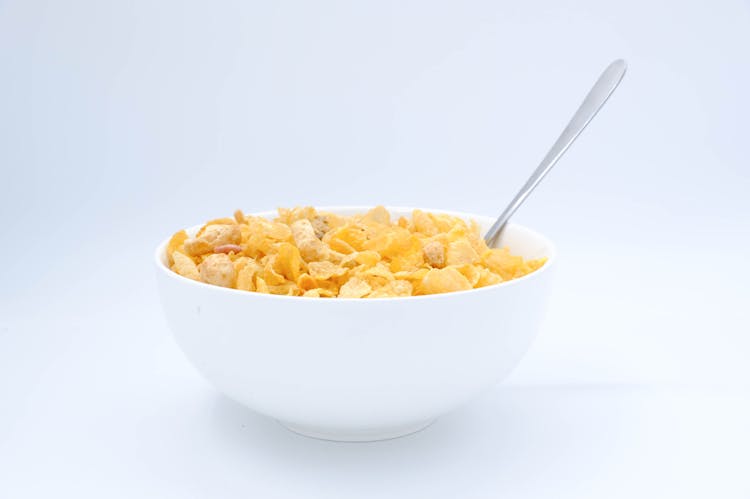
x: 364, y: 435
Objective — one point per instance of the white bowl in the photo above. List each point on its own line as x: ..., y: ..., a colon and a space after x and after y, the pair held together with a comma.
x: 358, y: 369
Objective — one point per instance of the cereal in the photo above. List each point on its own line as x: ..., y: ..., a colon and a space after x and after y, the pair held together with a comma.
x: 288, y: 261
x: 311, y: 248
x: 354, y: 288
x: 393, y: 288
x: 260, y: 285
x: 212, y: 236
x: 460, y: 252
x: 185, y: 266
x: 228, y: 248
x: 270, y: 275
x: 239, y: 217
x: 326, y: 270
x: 434, y: 254
x: 444, y: 281
x: 176, y: 243
x: 246, y: 278
x: 218, y: 269
x: 308, y: 253
x: 320, y: 225
x: 306, y: 282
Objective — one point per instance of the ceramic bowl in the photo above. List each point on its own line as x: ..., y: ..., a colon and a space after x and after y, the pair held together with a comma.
x: 358, y: 369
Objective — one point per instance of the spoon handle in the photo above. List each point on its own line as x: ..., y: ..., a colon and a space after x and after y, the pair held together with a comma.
x: 597, y: 96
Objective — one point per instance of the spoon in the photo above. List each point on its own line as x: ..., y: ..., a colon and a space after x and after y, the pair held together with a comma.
x: 597, y: 96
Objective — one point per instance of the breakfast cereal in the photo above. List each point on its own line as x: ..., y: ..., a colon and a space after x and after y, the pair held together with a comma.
x: 303, y: 252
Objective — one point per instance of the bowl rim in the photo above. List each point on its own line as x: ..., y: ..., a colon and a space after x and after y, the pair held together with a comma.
x: 549, y: 246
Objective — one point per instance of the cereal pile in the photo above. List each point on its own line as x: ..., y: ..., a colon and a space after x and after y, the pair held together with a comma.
x: 308, y: 253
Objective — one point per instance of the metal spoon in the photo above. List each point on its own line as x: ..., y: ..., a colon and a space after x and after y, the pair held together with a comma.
x: 598, y: 95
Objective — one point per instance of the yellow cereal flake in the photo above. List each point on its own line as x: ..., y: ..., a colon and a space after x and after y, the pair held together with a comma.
x: 471, y: 272
x: 377, y: 215
x: 413, y: 276
x: 221, y: 221
x: 319, y: 293
x: 443, y: 281
x: 246, y: 275
x: 212, y: 236
x: 176, y: 243
x: 260, y: 285
x: 487, y: 278
x: 270, y: 275
x: 326, y: 270
x: 185, y: 266
x: 288, y: 261
x: 354, y: 288
x: 423, y: 223
x: 508, y: 266
x: 347, y: 239
x: 393, y: 289
x: 368, y: 257
x: 239, y: 217
x: 460, y: 252
x: 286, y: 288
x: 377, y: 276
x: 308, y: 253
x: 341, y: 246
x: 306, y: 282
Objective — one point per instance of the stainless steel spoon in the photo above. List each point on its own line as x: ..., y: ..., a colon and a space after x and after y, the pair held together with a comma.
x: 598, y: 95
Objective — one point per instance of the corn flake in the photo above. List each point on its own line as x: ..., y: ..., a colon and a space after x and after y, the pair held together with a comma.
x: 326, y: 270
x: 443, y: 281
x: 354, y: 288
x: 185, y: 266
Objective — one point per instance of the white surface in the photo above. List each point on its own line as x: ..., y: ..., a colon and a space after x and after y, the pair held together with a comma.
x: 108, y: 406
x: 121, y: 121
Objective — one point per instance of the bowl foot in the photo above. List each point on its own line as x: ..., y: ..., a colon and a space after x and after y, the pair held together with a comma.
x: 355, y: 435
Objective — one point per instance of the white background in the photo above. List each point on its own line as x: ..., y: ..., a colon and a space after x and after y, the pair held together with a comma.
x: 121, y: 122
